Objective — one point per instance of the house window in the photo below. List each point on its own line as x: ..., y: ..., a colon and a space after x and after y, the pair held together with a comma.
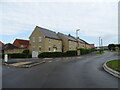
x: 40, y: 48
x: 58, y: 42
x: 49, y: 49
x: 49, y: 40
x: 21, y: 45
x: 40, y: 39
x: 33, y: 39
x: 33, y: 48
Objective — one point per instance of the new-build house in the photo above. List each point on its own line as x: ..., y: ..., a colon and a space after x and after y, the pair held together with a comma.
x: 21, y: 43
x: 68, y: 42
x: 10, y: 49
x: 44, y: 40
x: 83, y: 44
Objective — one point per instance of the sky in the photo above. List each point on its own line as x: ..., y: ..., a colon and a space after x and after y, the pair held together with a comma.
x: 94, y: 19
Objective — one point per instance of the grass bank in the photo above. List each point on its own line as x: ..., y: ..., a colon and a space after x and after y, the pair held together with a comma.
x: 114, y: 64
x: 100, y: 52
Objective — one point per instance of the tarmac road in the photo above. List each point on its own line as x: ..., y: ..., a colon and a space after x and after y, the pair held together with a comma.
x: 77, y: 72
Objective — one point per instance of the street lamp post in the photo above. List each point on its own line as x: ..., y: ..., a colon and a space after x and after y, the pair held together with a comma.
x: 78, y: 53
x: 77, y: 33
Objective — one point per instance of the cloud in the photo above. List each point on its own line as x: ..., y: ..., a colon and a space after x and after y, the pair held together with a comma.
x: 94, y: 19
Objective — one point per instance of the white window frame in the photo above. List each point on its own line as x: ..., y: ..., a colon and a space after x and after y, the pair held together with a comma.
x: 33, y: 48
x: 59, y: 41
x: 39, y: 39
x: 33, y: 39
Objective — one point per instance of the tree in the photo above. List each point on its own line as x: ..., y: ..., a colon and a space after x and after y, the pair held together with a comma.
x: 26, y: 52
x: 111, y: 47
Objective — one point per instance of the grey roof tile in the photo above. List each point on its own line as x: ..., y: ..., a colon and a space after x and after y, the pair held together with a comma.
x: 68, y: 37
x: 48, y: 33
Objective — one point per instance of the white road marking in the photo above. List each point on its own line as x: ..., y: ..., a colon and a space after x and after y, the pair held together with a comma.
x: 57, y: 60
x: 49, y: 61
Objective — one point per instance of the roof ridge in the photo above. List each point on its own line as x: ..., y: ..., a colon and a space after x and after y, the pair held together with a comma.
x: 22, y: 39
x: 46, y: 29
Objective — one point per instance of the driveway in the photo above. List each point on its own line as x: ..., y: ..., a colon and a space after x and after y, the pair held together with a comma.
x: 77, y: 72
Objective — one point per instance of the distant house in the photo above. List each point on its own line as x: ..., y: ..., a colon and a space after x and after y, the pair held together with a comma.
x: 10, y: 49
x: 68, y: 42
x: 21, y: 43
x: 44, y: 40
x: 1, y: 47
x: 91, y: 45
x: 1, y: 44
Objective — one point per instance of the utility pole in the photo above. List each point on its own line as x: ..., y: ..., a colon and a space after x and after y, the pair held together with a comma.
x: 101, y: 45
x: 99, y: 42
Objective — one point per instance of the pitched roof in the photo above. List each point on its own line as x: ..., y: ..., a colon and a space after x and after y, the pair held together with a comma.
x: 1, y: 44
x: 10, y: 46
x: 81, y: 40
x: 22, y: 42
x: 48, y: 33
x: 68, y: 37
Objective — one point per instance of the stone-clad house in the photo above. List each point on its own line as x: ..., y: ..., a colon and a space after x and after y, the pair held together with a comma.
x: 68, y: 42
x: 44, y: 40
x: 83, y: 44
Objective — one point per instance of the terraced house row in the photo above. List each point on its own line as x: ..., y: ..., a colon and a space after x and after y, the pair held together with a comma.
x: 44, y: 40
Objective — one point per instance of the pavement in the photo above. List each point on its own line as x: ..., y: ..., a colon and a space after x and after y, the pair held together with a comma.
x: 77, y: 72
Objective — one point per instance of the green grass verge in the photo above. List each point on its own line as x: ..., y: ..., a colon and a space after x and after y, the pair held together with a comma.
x: 100, y: 52
x: 114, y: 64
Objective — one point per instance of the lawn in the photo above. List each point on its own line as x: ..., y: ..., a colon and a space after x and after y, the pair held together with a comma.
x: 114, y: 64
x: 100, y: 52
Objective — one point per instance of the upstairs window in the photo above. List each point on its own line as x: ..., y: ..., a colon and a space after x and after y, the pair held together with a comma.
x: 33, y: 39
x: 49, y: 40
x: 58, y: 41
x: 33, y: 48
x: 40, y: 39
x: 40, y: 48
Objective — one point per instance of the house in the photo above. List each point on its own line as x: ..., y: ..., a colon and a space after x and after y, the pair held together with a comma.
x: 21, y: 43
x: 84, y: 44
x: 91, y: 46
x: 10, y: 49
x: 1, y: 47
x: 1, y: 44
x: 68, y: 42
x: 44, y: 40
x: 81, y: 43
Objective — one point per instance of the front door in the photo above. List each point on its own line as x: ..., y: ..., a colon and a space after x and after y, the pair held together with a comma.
x: 54, y: 49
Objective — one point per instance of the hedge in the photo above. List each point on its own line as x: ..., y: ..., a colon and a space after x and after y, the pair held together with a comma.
x: 71, y: 53
x: 18, y: 55
x: 85, y: 51
x: 57, y: 54
x: 50, y: 54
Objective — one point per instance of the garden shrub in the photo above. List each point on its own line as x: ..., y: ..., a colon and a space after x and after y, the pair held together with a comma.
x: 85, y: 51
x: 17, y: 55
x: 71, y: 53
x: 50, y: 54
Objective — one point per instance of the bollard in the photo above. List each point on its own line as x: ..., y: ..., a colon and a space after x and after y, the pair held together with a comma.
x: 6, y: 58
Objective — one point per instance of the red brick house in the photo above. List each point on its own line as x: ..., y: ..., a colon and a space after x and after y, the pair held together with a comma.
x: 1, y: 44
x: 21, y: 43
x: 91, y: 45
